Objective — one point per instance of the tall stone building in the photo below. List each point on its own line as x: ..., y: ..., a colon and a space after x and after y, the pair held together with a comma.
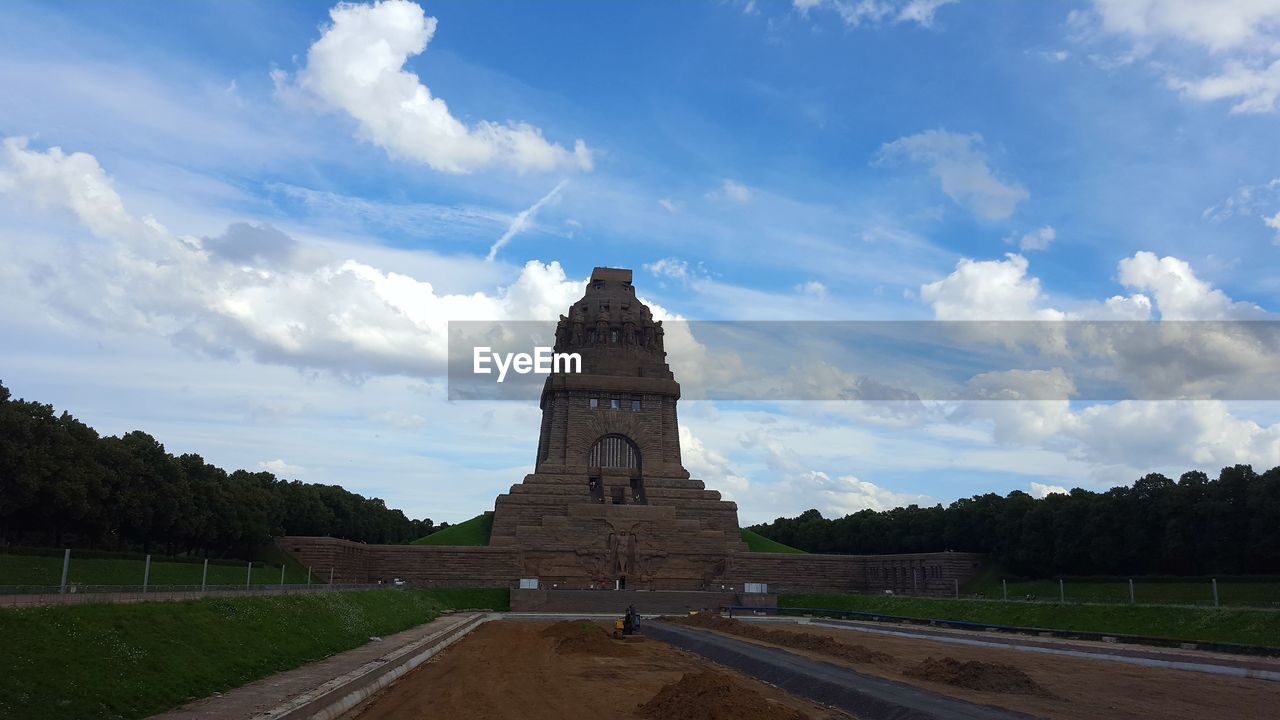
x: 609, y: 503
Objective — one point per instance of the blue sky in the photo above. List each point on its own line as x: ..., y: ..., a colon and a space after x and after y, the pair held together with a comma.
x: 310, y: 228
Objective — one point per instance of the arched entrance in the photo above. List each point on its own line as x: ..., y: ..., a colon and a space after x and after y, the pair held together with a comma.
x: 609, y: 455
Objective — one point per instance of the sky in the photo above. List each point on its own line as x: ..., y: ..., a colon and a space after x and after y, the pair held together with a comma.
x: 243, y: 227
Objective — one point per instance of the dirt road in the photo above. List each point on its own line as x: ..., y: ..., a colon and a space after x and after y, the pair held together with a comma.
x: 519, y: 670
x: 1072, y: 688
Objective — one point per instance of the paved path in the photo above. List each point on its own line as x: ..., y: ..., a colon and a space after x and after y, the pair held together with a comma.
x: 863, y: 696
x: 1241, y: 666
x: 275, y: 696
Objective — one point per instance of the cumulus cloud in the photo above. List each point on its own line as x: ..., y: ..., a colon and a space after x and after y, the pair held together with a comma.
x: 358, y: 67
x: 840, y: 495
x: 1179, y: 294
x: 1041, y: 490
x: 280, y: 467
x: 1243, y: 36
x: 962, y: 168
x: 710, y: 466
x: 855, y: 13
x: 244, y: 293
x: 988, y: 290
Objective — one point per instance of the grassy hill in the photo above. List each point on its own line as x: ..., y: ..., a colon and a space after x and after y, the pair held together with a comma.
x: 44, y: 567
x: 472, y: 532
x: 759, y: 543
x: 1229, y: 625
x: 135, y: 660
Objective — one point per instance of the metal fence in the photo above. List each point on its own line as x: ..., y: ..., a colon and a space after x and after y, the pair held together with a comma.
x: 18, y: 596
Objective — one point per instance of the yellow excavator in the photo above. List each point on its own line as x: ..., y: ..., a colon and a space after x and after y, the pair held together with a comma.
x: 628, y: 624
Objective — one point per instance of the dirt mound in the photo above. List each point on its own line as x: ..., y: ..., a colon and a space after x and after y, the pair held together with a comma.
x: 975, y: 675
x: 822, y: 644
x: 582, y: 637
x: 710, y: 695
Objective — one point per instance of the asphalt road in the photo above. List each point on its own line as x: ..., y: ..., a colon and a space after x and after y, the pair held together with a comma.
x: 863, y: 696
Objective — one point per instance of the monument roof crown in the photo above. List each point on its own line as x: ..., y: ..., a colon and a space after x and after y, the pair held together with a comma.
x: 613, y: 331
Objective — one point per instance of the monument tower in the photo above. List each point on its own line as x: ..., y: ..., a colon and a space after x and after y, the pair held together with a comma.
x: 609, y: 503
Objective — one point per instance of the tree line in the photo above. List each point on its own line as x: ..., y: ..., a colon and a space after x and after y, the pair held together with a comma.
x: 1194, y: 526
x: 61, y: 484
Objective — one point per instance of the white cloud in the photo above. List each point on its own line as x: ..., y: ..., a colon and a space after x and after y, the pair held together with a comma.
x: 671, y: 267
x: 277, y: 301
x: 988, y: 290
x: 960, y: 165
x: 710, y: 466
x: 1041, y: 490
x: 1254, y: 89
x: 1242, y: 35
x: 524, y: 220
x: 1273, y: 222
x: 813, y: 289
x: 357, y: 66
x: 732, y: 190
x: 669, y: 205
x: 1179, y: 294
x: 855, y: 13
x: 838, y: 496
x: 1251, y: 200
x: 280, y: 467
x: 1216, y: 26
x: 1038, y: 239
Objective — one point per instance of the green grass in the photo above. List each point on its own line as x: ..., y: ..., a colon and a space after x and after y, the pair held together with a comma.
x: 1229, y: 625
x: 759, y: 543
x: 27, y: 569
x: 473, y: 532
x: 131, y: 661
x: 1146, y: 591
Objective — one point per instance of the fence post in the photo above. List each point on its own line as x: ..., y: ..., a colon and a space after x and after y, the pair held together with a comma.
x: 308, y: 576
x: 1004, y: 584
x: 146, y: 574
x: 204, y: 576
x: 248, y: 574
x: 1062, y: 591
x: 1215, y: 592
x: 330, y: 577
x: 282, y: 575
x: 957, y: 584
x: 66, y: 565
x: 1132, y: 599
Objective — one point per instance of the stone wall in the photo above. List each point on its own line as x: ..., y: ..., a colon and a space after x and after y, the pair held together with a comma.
x: 703, y: 554
x: 427, y: 565
x: 918, y: 573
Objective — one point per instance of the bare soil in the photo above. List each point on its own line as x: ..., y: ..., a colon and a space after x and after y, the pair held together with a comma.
x: 975, y: 675
x: 1068, y: 688
x: 545, y: 671
x: 710, y: 695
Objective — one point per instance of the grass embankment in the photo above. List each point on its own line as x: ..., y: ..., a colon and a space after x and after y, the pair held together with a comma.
x: 1157, y: 591
x: 473, y: 532
x: 759, y: 543
x: 46, y: 569
x: 1228, y: 625
x: 131, y: 661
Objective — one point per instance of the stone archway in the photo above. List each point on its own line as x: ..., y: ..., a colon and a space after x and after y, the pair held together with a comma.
x: 618, y: 455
